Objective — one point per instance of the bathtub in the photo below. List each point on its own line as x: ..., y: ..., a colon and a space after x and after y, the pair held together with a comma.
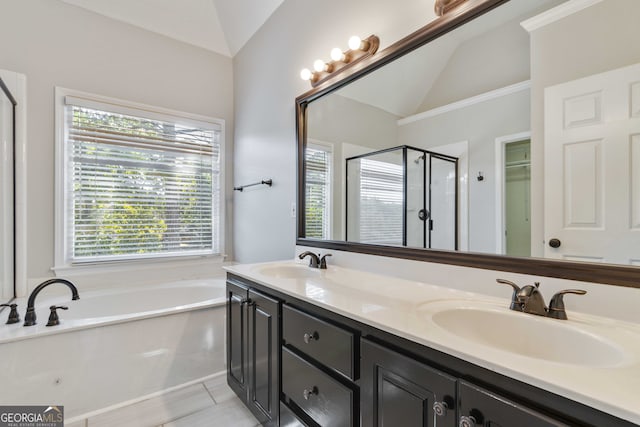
x: 114, y: 347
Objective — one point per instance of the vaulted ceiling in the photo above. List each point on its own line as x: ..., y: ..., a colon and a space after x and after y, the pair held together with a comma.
x: 221, y: 26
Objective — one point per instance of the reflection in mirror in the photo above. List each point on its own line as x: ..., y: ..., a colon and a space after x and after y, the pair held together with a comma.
x: 7, y: 140
x: 402, y: 196
x: 528, y: 109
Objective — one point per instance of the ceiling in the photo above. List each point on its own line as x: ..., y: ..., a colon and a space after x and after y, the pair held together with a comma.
x: 221, y: 26
x: 401, y: 87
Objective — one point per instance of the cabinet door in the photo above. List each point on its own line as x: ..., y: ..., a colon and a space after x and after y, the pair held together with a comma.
x: 479, y: 407
x: 237, y: 339
x: 399, y: 391
x: 264, y: 348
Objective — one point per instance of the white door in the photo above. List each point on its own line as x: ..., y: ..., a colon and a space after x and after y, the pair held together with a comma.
x: 592, y: 168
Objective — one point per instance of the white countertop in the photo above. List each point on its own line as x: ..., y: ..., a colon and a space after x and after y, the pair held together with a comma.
x: 408, y: 309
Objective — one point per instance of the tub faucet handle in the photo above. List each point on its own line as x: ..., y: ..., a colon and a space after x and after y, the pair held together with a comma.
x: 53, y: 317
x: 14, y: 317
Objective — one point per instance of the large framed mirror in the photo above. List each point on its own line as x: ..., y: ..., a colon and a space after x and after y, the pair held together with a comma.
x: 503, y: 135
x: 7, y: 192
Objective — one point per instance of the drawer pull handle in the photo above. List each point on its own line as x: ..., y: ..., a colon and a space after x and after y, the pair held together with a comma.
x: 469, y: 421
x: 307, y: 393
x: 440, y: 408
x: 310, y: 337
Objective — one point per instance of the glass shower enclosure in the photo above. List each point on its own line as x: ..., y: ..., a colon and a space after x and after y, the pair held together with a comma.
x: 403, y: 196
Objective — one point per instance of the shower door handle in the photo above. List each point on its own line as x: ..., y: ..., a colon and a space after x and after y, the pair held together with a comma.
x: 423, y: 214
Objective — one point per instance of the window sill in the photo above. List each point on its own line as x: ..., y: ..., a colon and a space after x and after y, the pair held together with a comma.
x: 153, y: 266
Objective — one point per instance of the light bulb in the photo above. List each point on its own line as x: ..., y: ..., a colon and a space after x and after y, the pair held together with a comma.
x: 354, y: 43
x: 305, y: 74
x: 319, y: 65
x: 336, y: 54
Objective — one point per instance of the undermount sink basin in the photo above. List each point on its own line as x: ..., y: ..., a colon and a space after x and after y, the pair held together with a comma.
x: 288, y: 271
x: 528, y: 335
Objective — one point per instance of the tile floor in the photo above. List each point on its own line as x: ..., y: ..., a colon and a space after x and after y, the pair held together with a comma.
x: 208, y: 404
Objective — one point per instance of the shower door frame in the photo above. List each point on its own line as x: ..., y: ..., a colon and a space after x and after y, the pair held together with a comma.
x: 427, y: 222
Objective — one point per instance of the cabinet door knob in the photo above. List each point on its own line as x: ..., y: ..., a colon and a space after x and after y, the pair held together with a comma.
x: 307, y: 393
x: 440, y: 408
x: 469, y: 421
x: 310, y: 337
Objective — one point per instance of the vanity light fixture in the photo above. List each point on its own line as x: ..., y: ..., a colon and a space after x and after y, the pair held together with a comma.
x: 441, y: 7
x: 340, y: 61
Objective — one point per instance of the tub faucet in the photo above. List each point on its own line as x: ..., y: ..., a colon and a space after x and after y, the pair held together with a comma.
x: 30, y: 316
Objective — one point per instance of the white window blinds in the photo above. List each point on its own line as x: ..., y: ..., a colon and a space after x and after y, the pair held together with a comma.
x: 317, y: 191
x: 139, y: 186
x: 381, y: 202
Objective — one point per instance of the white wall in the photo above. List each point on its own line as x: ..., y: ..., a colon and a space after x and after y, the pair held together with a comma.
x: 339, y: 120
x: 480, y: 125
x: 266, y: 85
x: 56, y: 44
x: 495, y: 59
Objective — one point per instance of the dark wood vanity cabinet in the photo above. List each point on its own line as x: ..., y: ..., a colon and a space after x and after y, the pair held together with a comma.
x: 319, y: 367
x: 296, y: 364
x: 398, y: 390
x: 253, y: 348
x: 480, y: 407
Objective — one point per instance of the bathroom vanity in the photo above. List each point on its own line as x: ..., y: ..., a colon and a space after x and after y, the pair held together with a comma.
x: 344, y: 347
x: 336, y: 348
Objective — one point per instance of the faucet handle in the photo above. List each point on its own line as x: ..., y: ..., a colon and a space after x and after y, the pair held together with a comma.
x: 14, y: 316
x: 323, y: 261
x: 53, y: 317
x: 556, y: 305
x: 515, y: 304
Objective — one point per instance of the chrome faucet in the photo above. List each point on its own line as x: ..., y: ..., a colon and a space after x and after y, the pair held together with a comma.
x: 30, y: 316
x: 315, y: 261
x: 528, y: 299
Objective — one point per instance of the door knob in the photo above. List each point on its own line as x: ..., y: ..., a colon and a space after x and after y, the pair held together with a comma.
x: 555, y: 243
x: 423, y: 214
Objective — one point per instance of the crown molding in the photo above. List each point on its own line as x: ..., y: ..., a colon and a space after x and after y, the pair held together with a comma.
x: 557, y: 13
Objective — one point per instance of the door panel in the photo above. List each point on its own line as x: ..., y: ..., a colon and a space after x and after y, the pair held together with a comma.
x: 236, y: 338
x: 592, y: 183
x: 489, y: 409
x: 415, y: 199
x: 443, y: 197
x: 399, y: 391
x: 263, y: 355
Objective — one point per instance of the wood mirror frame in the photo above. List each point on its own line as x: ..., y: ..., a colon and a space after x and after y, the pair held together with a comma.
x: 462, y: 13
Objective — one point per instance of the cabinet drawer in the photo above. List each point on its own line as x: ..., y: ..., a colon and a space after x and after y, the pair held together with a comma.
x: 328, y: 344
x: 325, y: 400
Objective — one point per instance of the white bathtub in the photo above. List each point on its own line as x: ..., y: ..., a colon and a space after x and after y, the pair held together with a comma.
x: 114, y: 346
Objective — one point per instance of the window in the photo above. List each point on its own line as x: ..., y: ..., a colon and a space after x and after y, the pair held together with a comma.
x: 318, y: 158
x: 136, y: 182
